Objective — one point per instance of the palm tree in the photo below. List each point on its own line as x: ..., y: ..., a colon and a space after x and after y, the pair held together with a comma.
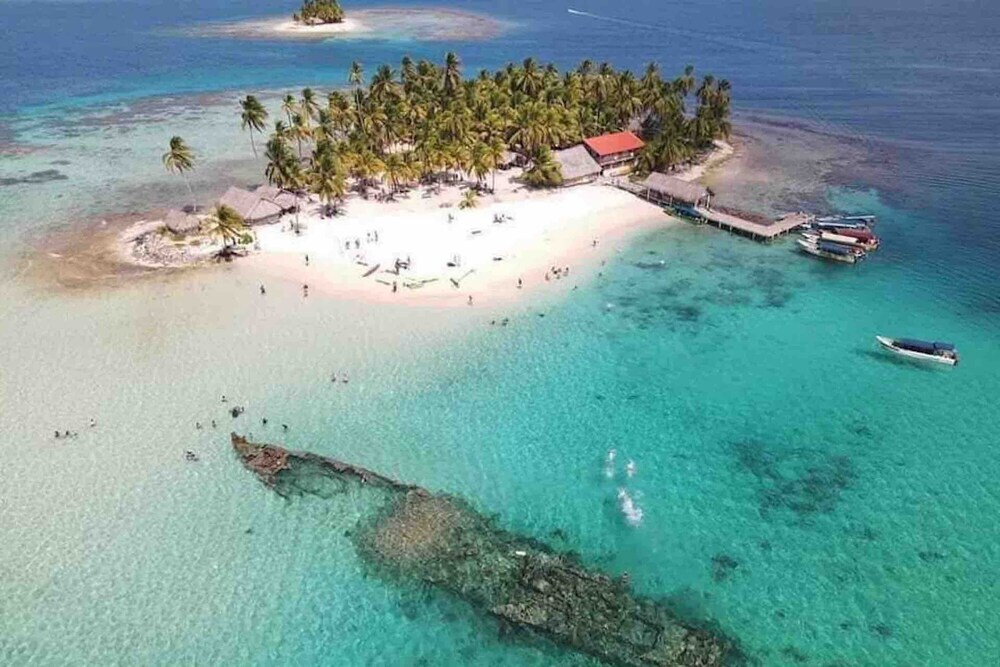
x: 480, y: 162
x: 468, y: 199
x: 254, y: 117
x: 495, y: 152
x: 452, y: 72
x: 300, y: 130
x: 279, y: 161
x: 309, y: 104
x: 227, y: 224
x: 329, y: 183
x: 180, y: 160
x: 544, y: 171
x: 396, y: 170
x: 290, y: 107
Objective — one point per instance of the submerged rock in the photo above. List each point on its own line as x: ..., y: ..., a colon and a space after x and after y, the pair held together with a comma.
x: 441, y: 540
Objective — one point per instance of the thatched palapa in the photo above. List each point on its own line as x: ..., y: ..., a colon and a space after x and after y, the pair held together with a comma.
x: 179, y: 222
x: 253, y: 209
x: 668, y: 189
x: 576, y: 165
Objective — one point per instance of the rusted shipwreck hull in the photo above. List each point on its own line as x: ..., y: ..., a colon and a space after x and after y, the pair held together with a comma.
x: 440, y: 540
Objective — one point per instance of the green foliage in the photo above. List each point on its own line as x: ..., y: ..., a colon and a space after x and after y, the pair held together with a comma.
x: 229, y: 226
x: 544, y: 171
x: 427, y: 122
x: 469, y: 199
x: 319, y: 11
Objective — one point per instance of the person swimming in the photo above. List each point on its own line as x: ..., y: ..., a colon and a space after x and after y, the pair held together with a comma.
x: 630, y: 468
x: 609, y: 463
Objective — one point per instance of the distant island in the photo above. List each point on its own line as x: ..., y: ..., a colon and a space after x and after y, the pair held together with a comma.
x: 320, y: 12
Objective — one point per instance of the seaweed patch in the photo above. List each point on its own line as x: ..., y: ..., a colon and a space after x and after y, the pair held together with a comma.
x: 802, y: 481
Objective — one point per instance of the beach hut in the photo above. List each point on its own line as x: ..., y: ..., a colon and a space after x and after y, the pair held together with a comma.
x: 576, y: 165
x: 179, y: 222
x: 669, y: 190
x: 283, y: 198
x: 253, y: 209
x: 616, y: 153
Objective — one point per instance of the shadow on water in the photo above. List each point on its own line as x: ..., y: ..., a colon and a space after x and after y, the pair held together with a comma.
x: 899, y: 362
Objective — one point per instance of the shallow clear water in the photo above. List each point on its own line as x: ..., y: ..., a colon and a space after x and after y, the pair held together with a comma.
x: 805, y: 492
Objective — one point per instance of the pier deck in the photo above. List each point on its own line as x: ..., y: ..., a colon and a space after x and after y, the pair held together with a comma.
x: 754, y: 230
x: 729, y: 220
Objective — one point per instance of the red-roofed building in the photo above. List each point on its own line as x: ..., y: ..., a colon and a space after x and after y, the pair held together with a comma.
x: 616, y: 153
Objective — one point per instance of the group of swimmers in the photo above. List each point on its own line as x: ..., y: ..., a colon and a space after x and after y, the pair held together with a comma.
x: 67, y: 434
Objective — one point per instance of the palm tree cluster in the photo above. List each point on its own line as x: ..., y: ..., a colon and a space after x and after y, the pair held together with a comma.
x: 319, y: 11
x: 426, y: 123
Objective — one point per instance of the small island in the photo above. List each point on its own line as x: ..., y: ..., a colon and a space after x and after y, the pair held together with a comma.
x: 319, y: 12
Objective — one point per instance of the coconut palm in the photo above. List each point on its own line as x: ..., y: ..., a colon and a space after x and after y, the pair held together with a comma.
x: 280, y: 161
x: 469, y: 199
x: 300, y: 130
x: 452, y: 73
x: 226, y: 223
x: 480, y: 162
x: 254, y: 117
x: 180, y: 160
x: 290, y: 107
x: 329, y: 182
x: 544, y: 171
x: 495, y: 151
x: 396, y: 170
x: 309, y: 105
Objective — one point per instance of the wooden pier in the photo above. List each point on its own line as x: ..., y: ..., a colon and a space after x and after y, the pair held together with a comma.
x: 694, y: 201
x: 757, y: 231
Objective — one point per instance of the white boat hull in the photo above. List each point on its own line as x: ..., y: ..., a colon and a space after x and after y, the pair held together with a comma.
x: 813, y: 249
x: 890, y: 344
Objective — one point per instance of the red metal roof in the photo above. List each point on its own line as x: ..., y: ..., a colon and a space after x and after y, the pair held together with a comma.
x: 609, y: 144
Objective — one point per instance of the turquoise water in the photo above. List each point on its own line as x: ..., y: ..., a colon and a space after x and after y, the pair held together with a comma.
x: 815, y: 499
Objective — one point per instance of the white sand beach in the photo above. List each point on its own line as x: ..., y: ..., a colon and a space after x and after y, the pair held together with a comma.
x: 425, y: 23
x: 447, y: 254
x: 421, y: 248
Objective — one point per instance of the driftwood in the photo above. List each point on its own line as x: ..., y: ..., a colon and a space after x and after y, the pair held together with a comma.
x: 419, y: 536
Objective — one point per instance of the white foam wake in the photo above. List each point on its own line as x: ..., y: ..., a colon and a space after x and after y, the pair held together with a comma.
x: 631, y: 511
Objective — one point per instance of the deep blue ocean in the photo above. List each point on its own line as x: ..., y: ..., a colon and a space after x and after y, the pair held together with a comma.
x: 857, y: 495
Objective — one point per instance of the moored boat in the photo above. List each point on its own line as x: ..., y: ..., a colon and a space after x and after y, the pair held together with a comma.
x: 868, y: 243
x: 942, y: 353
x: 833, y: 251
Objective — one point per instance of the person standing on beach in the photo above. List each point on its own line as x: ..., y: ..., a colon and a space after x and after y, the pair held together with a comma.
x: 307, y: 259
x: 520, y: 283
x: 470, y: 299
x: 262, y: 290
x: 305, y: 290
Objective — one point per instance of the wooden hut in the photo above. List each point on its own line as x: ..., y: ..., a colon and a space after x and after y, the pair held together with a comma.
x: 250, y: 206
x: 283, y: 198
x: 616, y: 153
x: 179, y: 222
x: 576, y: 165
x: 669, y: 190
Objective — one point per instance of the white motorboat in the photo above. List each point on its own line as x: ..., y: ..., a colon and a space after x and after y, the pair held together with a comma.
x: 942, y: 353
x: 834, y: 251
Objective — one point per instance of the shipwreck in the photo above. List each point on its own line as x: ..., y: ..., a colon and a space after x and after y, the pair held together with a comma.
x: 440, y: 540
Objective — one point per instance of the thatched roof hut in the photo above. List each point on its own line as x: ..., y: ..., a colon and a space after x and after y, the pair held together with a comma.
x: 179, y: 222
x: 250, y: 206
x: 577, y: 165
x: 670, y: 189
x: 283, y: 198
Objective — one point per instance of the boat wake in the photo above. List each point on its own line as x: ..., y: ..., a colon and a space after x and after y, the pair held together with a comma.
x: 744, y: 44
